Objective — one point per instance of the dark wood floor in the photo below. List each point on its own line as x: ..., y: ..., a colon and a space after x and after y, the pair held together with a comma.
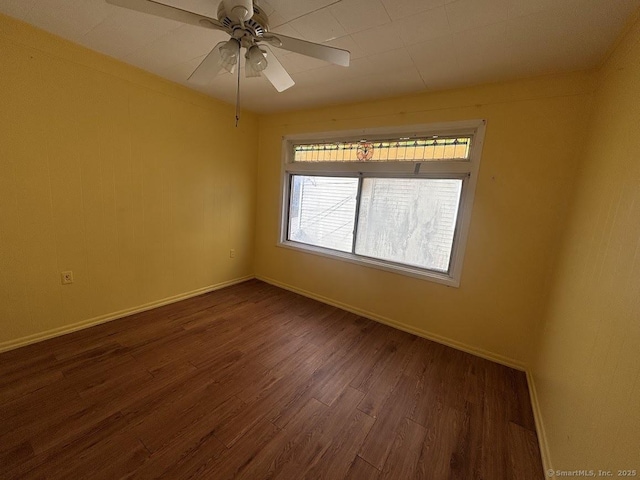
x: 255, y: 382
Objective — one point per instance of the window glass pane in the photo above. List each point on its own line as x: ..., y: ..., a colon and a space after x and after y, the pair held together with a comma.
x: 322, y: 211
x: 409, y: 221
x: 425, y: 149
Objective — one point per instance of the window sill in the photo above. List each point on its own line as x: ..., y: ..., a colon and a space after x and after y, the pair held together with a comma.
x: 441, y: 278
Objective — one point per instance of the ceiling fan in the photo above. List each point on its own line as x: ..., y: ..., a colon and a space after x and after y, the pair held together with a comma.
x: 248, y: 26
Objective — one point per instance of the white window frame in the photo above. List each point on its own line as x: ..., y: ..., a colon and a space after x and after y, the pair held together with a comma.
x: 467, y: 170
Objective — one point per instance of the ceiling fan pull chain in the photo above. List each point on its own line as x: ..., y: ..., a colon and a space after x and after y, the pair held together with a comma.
x: 238, y: 95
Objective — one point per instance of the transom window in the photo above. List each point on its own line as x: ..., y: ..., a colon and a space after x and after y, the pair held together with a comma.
x: 397, y: 199
x: 390, y: 150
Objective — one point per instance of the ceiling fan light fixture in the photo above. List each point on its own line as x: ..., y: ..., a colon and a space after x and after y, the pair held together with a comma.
x: 249, y: 71
x: 256, y: 59
x: 229, y: 54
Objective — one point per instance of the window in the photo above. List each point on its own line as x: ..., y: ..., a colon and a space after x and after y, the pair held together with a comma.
x: 397, y: 199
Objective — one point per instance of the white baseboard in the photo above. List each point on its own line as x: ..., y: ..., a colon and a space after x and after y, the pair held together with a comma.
x: 56, y: 332
x: 400, y: 326
x: 537, y: 415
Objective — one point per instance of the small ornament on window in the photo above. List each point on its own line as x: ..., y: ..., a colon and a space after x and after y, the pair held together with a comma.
x: 365, y: 151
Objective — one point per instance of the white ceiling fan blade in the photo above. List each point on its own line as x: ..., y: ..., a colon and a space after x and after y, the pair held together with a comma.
x: 208, y: 68
x: 276, y: 73
x: 310, y: 49
x: 172, y: 13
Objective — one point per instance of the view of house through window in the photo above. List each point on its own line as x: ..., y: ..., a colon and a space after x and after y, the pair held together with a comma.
x: 322, y: 211
x: 391, y: 201
x: 404, y: 220
x: 409, y: 220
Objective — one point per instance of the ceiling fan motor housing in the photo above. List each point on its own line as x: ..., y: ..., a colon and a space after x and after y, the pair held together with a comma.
x: 243, y: 14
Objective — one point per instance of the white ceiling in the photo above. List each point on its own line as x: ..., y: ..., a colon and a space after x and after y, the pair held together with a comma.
x: 397, y: 46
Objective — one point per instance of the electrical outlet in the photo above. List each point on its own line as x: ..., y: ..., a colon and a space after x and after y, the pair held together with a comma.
x: 66, y: 277
x: 232, y: 253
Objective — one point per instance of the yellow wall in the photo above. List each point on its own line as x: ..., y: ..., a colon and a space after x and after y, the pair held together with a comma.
x: 137, y: 185
x: 141, y: 187
x: 587, y: 370
x: 534, y: 129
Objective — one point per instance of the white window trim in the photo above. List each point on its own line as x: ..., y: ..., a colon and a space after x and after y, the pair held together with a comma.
x: 468, y: 170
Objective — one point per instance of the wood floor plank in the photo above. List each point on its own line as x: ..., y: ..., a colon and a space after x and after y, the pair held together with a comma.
x: 16, y: 455
x: 24, y: 385
x: 466, y: 455
x: 183, y: 459
x: 381, y: 349
x: 524, y: 456
x: 495, y: 427
x: 340, y: 425
x: 26, y: 418
x: 147, y: 397
x: 379, y: 443
x: 399, y: 404
x: 187, y: 417
x: 283, y: 349
x: 444, y: 450
x: 337, y: 373
x: 389, y: 377
x: 70, y: 424
x: 361, y: 470
x: 279, y: 393
x: 404, y: 459
x: 97, y: 438
x: 233, y: 461
x: 279, y: 451
x: 253, y: 381
x: 432, y: 385
x: 336, y: 460
x: 110, y: 459
x: 519, y: 407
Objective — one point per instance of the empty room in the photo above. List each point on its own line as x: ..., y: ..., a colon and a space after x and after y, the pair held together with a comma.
x: 337, y: 239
